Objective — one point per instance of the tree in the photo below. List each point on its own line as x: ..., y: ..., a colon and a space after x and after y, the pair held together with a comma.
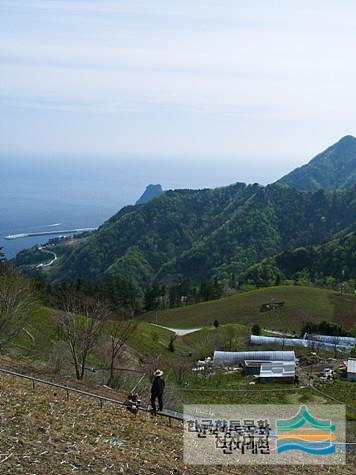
x: 120, y: 332
x: 256, y: 329
x: 81, y: 323
x: 171, y: 344
x: 173, y: 296
x: 210, y: 290
x: 152, y: 297
x: 121, y: 292
x: 180, y: 369
x: 17, y: 300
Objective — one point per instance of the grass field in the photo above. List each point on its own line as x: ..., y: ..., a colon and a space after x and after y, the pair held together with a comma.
x: 149, y: 339
x: 229, y: 337
x: 302, y: 304
x: 41, y: 336
x: 236, y: 315
x: 40, y: 340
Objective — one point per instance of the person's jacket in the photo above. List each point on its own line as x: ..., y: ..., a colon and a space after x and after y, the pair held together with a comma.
x: 158, y: 386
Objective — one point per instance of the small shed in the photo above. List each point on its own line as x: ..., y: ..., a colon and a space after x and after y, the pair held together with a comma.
x: 351, y: 369
x: 266, y: 307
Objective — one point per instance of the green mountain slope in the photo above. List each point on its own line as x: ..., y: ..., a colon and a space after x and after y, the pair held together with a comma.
x: 302, y: 304
x: 332, y: 260
x: 198, y: 234
x: 332, y: 169
x: 222, y: 232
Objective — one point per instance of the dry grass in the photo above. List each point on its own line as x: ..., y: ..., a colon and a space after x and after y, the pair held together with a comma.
x: 43, y: 433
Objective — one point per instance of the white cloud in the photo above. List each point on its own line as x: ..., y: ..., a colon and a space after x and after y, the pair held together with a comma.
x: 212, y: 74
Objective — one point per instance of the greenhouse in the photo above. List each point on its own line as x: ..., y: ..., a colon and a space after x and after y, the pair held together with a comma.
x: 300, y: 342
x: 232, y: 357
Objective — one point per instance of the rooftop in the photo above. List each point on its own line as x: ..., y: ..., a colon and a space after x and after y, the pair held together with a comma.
x: 351, y: 365
x: 277, y: 369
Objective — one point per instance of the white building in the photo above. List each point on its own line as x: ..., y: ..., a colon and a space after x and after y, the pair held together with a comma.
x: 351, y: 369
x: 277, y: 371
x: 268, y: 366
x: 236, y: 357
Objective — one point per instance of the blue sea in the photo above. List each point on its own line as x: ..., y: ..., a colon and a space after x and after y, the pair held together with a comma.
x: 37, y: 194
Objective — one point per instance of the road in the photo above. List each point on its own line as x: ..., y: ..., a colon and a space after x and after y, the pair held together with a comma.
x: 178, y: 331
x: 47, y: 264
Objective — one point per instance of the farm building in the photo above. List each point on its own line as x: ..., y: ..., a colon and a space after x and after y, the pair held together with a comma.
x: 277, y: 372
x: 251, y: 366
x: 268, y: 366
x: 238, y: 357
x: 351, y: 369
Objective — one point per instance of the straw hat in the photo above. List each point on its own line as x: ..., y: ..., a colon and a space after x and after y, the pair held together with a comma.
x: 157, y: 373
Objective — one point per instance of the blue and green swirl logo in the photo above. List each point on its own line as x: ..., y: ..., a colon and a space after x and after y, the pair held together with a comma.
x: 306, y: 433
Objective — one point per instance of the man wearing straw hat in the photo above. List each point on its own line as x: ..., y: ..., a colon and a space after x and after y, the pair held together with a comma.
x: 157, y: 390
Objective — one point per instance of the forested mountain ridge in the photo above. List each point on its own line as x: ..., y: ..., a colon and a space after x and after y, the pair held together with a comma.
x: 329, y: 263
x: 199, y: 234
x: 138, y: 240
x: 334, y: 168
x: 220, y: 233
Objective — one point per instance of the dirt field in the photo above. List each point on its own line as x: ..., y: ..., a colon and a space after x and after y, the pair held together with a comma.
x: 44, y: 433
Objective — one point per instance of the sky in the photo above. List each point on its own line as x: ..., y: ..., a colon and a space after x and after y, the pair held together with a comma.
x: 268, y: 82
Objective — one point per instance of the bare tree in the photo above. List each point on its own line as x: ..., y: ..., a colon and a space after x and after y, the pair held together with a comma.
x: 81, y: 324
x: 120, y: 332
x: 16, y: 303
x: 180, y: 369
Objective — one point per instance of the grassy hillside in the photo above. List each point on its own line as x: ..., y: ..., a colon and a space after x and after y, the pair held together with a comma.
x: 40, y: 335
x: 149, y: 339
x: 301, y: 304
x: 229, y: 337
x: 39, y: 342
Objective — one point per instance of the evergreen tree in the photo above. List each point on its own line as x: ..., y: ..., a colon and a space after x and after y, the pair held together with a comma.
x: 171, y: 345
x: 256, y: 329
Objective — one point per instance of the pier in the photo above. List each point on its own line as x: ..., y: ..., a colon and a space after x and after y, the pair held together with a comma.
x: 48, y: 233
